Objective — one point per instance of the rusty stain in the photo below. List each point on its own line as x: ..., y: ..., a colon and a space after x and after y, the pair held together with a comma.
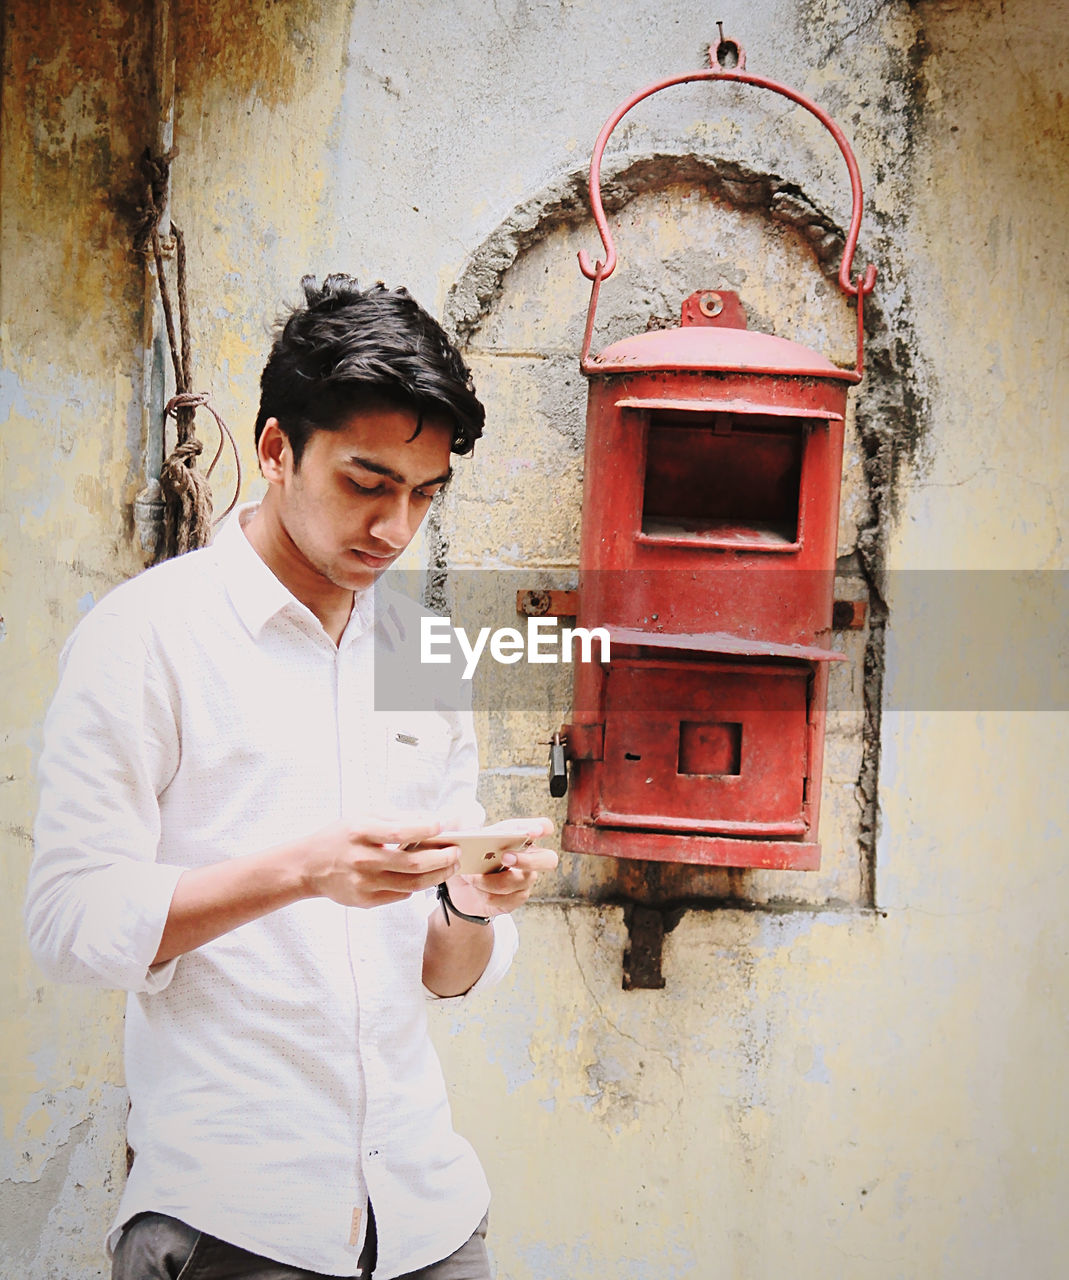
x: 642, y: 959
x: 264, y: 50
x: 848, y: 615
x: 81, y: 84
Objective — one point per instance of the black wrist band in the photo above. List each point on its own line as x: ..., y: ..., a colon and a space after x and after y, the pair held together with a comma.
x: 449, y: 907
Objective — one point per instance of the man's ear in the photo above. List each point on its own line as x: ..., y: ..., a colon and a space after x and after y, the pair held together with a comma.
x: 273, y: 451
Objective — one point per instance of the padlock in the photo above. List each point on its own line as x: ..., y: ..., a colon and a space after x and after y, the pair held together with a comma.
x: 558, y: 767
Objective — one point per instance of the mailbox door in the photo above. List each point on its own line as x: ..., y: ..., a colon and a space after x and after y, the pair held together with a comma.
x: 710, y: 746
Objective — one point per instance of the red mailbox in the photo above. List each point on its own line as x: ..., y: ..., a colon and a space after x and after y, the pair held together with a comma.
x: 710, y: 511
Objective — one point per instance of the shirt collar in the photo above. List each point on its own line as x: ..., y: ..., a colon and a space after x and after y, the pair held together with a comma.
x: 254, y: 591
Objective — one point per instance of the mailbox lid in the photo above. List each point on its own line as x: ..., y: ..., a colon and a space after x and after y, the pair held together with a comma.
x: 718, y: 349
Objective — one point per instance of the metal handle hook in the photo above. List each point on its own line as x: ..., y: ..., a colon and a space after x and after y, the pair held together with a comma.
x: 726, y: 51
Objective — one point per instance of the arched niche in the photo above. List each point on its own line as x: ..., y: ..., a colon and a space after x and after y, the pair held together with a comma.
x: 519, y: 310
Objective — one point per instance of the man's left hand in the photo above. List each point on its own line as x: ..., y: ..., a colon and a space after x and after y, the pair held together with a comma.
x: 500, y: 892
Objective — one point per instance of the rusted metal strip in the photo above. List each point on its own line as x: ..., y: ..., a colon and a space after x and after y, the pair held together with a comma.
x: 547, y: 604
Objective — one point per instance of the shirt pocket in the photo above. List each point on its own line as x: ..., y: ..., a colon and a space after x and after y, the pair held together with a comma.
x: 417, y: 758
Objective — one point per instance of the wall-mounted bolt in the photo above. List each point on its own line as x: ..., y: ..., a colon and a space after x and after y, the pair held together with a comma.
x: 535, y: 603
x: 710, y: 304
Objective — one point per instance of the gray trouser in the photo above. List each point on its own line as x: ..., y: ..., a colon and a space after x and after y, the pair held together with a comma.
x: 156, y: 1247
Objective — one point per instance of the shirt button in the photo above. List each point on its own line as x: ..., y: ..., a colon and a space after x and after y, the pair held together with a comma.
x: 371, y: 1155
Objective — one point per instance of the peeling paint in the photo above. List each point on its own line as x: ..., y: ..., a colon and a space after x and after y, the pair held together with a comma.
x: 63, y: 1209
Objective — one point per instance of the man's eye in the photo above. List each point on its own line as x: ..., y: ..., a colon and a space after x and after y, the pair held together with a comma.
x: 427, y: 494
x: 367, y: 489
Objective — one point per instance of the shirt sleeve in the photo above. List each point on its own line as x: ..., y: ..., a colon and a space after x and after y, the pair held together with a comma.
x: 506, y: 942
x: 97, y: 899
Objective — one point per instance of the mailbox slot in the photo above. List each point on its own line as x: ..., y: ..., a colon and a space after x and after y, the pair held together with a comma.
x: 723, y: 478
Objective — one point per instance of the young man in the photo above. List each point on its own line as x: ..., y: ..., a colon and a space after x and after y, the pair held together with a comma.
x: 226, y: 831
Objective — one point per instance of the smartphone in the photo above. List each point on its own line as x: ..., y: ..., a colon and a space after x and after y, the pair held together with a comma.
x: 480, y: 851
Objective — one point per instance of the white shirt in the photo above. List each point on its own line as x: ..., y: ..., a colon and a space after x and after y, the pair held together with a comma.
x: 282, y: 1074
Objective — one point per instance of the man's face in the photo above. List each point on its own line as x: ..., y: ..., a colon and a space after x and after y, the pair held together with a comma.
x: 360, y: 492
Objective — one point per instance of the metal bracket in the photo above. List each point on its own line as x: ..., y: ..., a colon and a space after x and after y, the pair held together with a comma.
x: 645, y: 948
x: 547, y: 604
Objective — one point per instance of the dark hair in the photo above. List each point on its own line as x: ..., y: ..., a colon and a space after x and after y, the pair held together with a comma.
x: 348, y: 347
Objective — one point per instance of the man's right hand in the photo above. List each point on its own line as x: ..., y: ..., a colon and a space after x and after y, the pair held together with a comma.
x: 369, y: 863
x: 358, y: 864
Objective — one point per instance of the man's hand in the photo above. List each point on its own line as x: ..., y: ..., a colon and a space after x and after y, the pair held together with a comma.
x: 358, y: 864
x: 501, y: 892
x: 368, y: 864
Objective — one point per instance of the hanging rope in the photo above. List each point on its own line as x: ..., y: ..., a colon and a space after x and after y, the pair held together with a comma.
x: 187, y: 494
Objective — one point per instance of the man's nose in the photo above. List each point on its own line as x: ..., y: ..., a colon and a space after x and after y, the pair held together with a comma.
x: 391, y: 524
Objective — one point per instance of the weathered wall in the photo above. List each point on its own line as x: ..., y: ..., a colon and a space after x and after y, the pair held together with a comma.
x: 69, y: 443
x: 822, y: 1088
